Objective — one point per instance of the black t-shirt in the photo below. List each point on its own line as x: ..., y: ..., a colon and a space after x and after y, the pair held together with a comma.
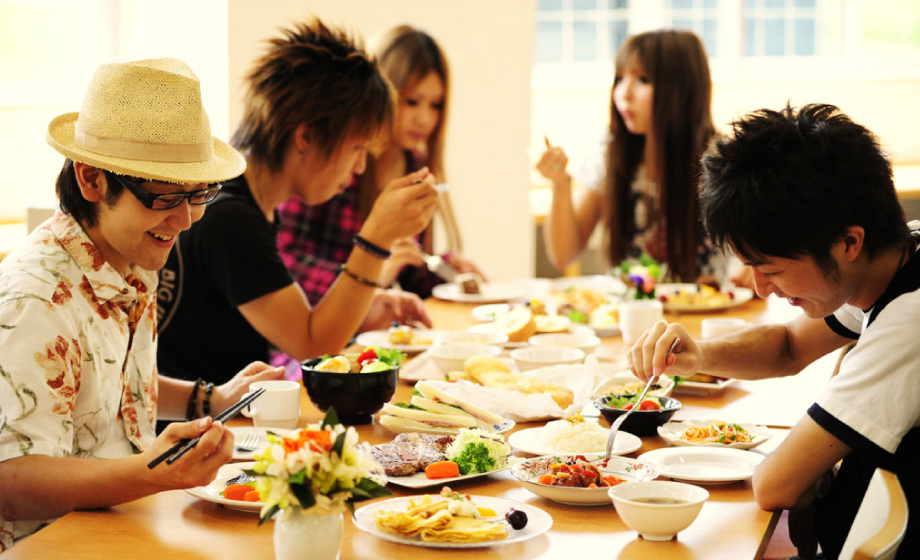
x: 224, y: 260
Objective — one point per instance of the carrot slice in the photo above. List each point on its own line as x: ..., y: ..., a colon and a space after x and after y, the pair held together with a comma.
x: 442, y: 469
x: 237, y: 491
x: 546, y: 479
x: 252, y: 496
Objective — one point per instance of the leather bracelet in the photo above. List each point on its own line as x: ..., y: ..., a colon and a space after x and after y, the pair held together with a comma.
x: 192, y: 407
x: 206, y: 403
x: 359, y: 279
x: 371, y: 248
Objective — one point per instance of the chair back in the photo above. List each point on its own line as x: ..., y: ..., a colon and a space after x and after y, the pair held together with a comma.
x: 881, y: 521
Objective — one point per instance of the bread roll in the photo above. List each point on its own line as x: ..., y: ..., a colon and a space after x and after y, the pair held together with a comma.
x: 518, y: 324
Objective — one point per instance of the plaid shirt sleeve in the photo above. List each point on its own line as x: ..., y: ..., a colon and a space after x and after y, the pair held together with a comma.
x: 315, y: 240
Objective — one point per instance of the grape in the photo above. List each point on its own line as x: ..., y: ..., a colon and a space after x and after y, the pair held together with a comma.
x: 516, y: 518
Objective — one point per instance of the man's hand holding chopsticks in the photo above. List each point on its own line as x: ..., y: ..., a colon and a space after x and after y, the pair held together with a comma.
x: 199, y: 465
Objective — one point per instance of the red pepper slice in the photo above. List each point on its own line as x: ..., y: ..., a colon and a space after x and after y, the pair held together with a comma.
x: 368, y: 355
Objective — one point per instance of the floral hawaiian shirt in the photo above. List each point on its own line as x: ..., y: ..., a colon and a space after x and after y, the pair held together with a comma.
x: 78, y: 373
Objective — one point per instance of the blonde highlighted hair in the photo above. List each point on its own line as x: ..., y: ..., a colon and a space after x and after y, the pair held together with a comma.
x: 407, y: 55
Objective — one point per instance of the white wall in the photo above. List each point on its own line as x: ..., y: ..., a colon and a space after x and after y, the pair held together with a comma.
x: 489, y: 45
x: 45, y: 78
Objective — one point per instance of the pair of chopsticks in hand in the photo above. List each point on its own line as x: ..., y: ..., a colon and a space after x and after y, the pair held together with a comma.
x: 180, y: 448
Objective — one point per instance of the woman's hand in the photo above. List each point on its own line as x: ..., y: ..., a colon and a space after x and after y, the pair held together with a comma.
x: 403, y: 252
x: 403, y: 209
x: 461, y: 264
x: 395, y: 305
x: 232, y: 391
x: 552, y: 165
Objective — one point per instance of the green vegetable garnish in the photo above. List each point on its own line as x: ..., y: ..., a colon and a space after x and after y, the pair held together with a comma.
x: 477, y: 451
x: 577, y: 316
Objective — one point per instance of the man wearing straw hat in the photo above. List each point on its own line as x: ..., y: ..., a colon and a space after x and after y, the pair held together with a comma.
x: 314, y: 106
x: 78, y: 372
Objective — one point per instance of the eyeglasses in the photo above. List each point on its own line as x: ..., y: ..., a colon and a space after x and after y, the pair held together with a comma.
x: 166, y: 201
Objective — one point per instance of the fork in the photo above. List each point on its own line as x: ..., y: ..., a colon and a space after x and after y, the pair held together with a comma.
x: 619, y: 421
x: 438, y: 266
x: 249, y: 443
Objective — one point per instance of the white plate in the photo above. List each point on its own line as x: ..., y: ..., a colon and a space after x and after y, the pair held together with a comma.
x: 211, y: 492
x: 698, y: 388
x: 538, y: 522
x: 530, y: 441
x: 673, y: 430
x: 492, y: 292
x: 489, y: 328
x: 630, y: 469
x: 419, y: 480
x: 241, y: 432
x: 502, y: 428
x: 742, y: 295
x: 599, y: 282
x: 604, y: 331
x: 704, y: 465
x: 381, y: 339
x: 487, y: 313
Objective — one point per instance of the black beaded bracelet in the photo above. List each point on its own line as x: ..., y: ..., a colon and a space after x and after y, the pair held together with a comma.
x: 192, y: 407
x: 206, y: 403
x: 358, y: 279
x: 371, y: 248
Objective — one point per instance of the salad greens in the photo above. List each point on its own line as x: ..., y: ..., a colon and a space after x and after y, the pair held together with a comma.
x: 614, y: 401
x: 476, y: 451
x: 372, y: 359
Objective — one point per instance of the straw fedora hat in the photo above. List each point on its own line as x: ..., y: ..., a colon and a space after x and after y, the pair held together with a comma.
x: 145, y: 119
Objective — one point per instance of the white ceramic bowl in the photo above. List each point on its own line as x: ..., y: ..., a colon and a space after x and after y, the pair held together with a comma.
x: 466, y: 337
x: 533, y: 357
x: 658, y: 521
x: 450, y: 357
x: 586, y: 342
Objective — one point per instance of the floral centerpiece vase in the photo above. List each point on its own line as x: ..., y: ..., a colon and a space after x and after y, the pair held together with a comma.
x: 308, y: 480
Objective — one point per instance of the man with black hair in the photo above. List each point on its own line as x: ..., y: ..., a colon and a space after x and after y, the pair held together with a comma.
x: 806, y: 198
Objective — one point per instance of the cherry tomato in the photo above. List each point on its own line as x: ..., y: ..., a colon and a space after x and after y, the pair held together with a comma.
x: 649, y: 405
x: 368, y: 355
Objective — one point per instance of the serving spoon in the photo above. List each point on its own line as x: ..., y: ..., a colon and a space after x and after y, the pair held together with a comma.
x: 619, y: 421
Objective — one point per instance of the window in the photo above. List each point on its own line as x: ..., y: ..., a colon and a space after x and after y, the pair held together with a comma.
x: 576, y: 40
x: 579, y: 30
x: 699, y: 16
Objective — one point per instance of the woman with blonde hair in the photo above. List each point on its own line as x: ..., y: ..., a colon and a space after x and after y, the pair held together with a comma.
x: 660, y: 123
x: 315, y: 240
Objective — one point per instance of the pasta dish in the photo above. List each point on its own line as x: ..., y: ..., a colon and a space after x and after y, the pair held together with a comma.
x: 717, y: 432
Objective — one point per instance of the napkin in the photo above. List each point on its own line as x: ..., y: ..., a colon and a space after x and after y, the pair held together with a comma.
x: 522, y: 407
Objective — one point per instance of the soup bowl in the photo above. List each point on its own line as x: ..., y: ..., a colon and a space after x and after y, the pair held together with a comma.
x: 658, y: 510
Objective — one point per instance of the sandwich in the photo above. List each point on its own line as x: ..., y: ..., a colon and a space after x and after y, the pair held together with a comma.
x: 435, y: 411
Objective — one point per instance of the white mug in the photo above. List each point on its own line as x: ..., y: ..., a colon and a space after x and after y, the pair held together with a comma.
x: 714, y: 327
x: 277, y: 407
x: 637, y: 316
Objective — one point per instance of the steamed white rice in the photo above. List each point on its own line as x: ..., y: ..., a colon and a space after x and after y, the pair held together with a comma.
x: 562, y: 436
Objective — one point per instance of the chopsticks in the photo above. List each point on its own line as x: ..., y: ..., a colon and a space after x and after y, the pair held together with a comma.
x: 180, y: 448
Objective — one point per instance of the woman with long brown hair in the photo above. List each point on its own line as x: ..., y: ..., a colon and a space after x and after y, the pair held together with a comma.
x: 660, y: 123
x: 314, y: 240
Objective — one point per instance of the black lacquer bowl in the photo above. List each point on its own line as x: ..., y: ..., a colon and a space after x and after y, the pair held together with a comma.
x: 355, y: 396
x: 640, y: 422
